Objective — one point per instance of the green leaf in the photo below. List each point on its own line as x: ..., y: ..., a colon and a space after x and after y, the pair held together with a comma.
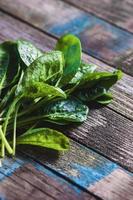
x: 66, y: 111
x: 103, y: 79
x: 90, y: 94
x: 71, y: 47
x: 82, y: 70
x: 12, y: 63
x: 46, y: 69
x: 38, y: 89
x: 28, y: 52
x: 8, y: 98
x: 45, y: 137
x: 4, y: 62
x: 105, y: 99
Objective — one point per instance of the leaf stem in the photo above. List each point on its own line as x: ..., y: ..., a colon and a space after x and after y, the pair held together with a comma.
x: 6, y: 122
x: 14, y: 129
x: 5, y: 142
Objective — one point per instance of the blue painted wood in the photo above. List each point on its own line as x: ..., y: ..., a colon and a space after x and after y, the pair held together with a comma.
x: 87, y: 169
x: 15, y: 170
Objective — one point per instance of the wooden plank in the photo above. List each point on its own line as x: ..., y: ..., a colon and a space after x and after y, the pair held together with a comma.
x: 99, y: 38
x: 87, y: 169
x: 87, y: 177
x: 123, y: 90
x: 102, y: 123
x: 117, y: 12
x: 22, y: 178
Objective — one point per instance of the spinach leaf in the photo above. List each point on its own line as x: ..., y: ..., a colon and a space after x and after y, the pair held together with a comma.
x: 4, y: 62
x: 82, y: 70
x: 71, y: 47
x: 103, y: 79
x: 27, y: 52
x: 66, y: 111
x: 46, y: 69
x: 12, y: 63
x: 90, y: 94
x: 105, y: 99
x: 45, y: 137
x: 38, y: 89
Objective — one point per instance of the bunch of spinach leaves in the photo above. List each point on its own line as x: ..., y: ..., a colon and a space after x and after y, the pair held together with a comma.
x: 51, y: 87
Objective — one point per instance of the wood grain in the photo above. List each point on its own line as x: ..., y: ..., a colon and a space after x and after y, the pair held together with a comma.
x: 31, y: 180
x: 87, y: 169
x: 123, y: 90
x: 102, y: 123
x: 80, y: 164
x: 99, y: 38
x: 118, y: 12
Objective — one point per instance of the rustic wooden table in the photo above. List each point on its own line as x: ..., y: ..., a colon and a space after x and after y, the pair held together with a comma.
x: 99, y: 164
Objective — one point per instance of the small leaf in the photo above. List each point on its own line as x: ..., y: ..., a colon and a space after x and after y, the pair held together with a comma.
x: 105, y: 99
x: 71, y: 47
x: 28, y: 52
x: 45, y: 137
x: 66, y: 111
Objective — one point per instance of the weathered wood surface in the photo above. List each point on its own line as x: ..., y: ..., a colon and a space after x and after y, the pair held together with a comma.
x: 88, y: 169
x: 99, y: 38
x: 123, y: 90
x: 23, y: 178
x: 104, y: 130
x: 118, y: 12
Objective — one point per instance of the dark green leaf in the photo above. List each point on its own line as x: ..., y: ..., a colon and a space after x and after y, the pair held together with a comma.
x: 4, y: 62
x: 105, y: 99
x: 45, y: 137
x: 90, y: 94
x: 8, y: 98
x: 71, y: 47
x: 66, y: 111
x: 103, y: 79
x: 13, y: 69
x: 28, y: 52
